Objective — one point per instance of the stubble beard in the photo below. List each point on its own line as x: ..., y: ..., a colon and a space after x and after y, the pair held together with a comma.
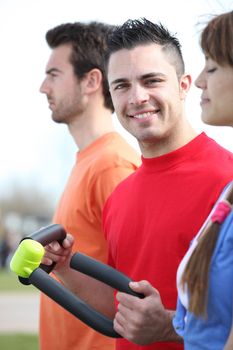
x: 64, y: 114
x: 67, y: 110
x: 58, y: 118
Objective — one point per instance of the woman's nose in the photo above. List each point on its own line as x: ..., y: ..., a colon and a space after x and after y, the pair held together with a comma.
x: 200, y: 81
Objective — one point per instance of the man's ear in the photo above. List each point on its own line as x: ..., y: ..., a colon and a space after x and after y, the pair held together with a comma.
x: 185, y: 84
x: 93, y: 80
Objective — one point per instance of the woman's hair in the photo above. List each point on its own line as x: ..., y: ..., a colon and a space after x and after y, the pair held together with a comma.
x: 196, y: 273
x: 217, y: 39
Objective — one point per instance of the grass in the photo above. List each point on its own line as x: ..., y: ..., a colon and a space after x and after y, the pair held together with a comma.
x: 18, y: 341
x: 9, y: 283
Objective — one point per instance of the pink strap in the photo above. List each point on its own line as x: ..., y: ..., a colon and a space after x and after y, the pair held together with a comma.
x: 221, y: 211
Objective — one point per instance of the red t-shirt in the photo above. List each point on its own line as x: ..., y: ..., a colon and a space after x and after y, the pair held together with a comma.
x: 152, y: 216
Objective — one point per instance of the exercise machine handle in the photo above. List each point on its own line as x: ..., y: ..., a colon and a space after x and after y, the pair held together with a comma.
x: 103, y: 273
x: 45, y: 235
x: 28, y: 262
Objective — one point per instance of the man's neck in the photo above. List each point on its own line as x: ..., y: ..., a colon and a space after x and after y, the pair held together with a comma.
x: 161, y: 146
x: 86, y: 129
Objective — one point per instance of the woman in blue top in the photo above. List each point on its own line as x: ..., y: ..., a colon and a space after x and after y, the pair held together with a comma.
x: 205, y: 276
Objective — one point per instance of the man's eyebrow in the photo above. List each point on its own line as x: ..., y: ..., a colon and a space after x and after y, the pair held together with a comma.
x: 152, y: 75
x: 120, y: 80
x: 141, y: 77
x: 53, y: 70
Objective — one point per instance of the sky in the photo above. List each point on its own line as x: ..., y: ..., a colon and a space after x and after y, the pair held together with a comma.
x: 36, y: 152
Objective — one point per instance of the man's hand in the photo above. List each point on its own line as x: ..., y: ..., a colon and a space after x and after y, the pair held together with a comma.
x: 60, y: 254
x: 143, y: 321
x: 95, y: 293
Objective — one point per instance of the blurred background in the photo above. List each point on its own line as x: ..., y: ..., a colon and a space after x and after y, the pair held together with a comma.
x: 36, y: 154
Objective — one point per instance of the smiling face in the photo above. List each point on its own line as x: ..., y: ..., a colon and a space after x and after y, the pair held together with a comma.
x: 216, y: 83
x: 61, y: 86
x: 147, y: 95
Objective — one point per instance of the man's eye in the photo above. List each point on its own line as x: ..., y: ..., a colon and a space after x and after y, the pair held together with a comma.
x: 52, y: 74
x: 153, y: 81
x: 120, y: 86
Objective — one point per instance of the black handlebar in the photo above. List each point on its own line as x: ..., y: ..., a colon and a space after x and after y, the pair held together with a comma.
x: 77, y: 307
x: 103, y: 273
x: 45, y: 236
x: 89, y: 266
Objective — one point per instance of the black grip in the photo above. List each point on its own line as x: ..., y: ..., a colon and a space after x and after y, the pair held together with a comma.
x: 49, y: 234
x: 45, y: 236
x: 103, y: 273
x: 87, y: 265
x: 72, y: 303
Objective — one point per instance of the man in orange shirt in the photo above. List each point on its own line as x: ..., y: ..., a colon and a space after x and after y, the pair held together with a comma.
x: 77, y: 91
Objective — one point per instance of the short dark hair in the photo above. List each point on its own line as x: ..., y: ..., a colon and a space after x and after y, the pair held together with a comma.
x: 142, y: 32
x: 89, y: 43
x: 217, y: 39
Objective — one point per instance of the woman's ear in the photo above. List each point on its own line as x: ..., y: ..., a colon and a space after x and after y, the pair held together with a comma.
x: 93, y: 80
x: 185, y: 84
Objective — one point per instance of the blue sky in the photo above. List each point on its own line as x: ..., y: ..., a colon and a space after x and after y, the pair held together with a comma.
x: 34, y: 150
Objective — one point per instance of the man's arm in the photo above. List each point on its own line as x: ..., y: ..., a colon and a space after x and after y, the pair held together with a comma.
x: 97, y: 294
x: 141, y: 321
x: 144, y: 321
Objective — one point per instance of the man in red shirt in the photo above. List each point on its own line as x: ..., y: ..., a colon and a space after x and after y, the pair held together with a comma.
x: 151, y: 217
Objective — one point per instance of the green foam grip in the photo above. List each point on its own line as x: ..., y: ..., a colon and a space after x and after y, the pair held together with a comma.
x: 27, y: 258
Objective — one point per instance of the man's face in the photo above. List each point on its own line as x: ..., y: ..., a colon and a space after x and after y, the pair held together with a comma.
x: 61, y: 86
x: 147, y: 95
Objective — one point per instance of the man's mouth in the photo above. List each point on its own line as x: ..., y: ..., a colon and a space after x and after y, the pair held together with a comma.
x: 144, y: 115
x: 50, y: 102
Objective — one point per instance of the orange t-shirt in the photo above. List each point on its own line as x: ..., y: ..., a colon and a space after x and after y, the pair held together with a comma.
x: 98, y: 169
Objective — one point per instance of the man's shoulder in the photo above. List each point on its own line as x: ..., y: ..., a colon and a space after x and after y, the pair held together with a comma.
x: 115, y: 151
x: 126, y: 186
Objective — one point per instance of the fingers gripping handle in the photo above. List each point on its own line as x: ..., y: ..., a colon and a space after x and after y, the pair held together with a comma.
x: 45, y: 236
x: 103, y: 273
x: 40, y: 279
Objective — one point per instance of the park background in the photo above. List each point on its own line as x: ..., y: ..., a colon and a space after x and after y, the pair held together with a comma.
x: 36, y: 154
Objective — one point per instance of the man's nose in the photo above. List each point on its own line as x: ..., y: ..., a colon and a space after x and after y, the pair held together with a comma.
x: 44, y: 87
x: 138, y: 95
